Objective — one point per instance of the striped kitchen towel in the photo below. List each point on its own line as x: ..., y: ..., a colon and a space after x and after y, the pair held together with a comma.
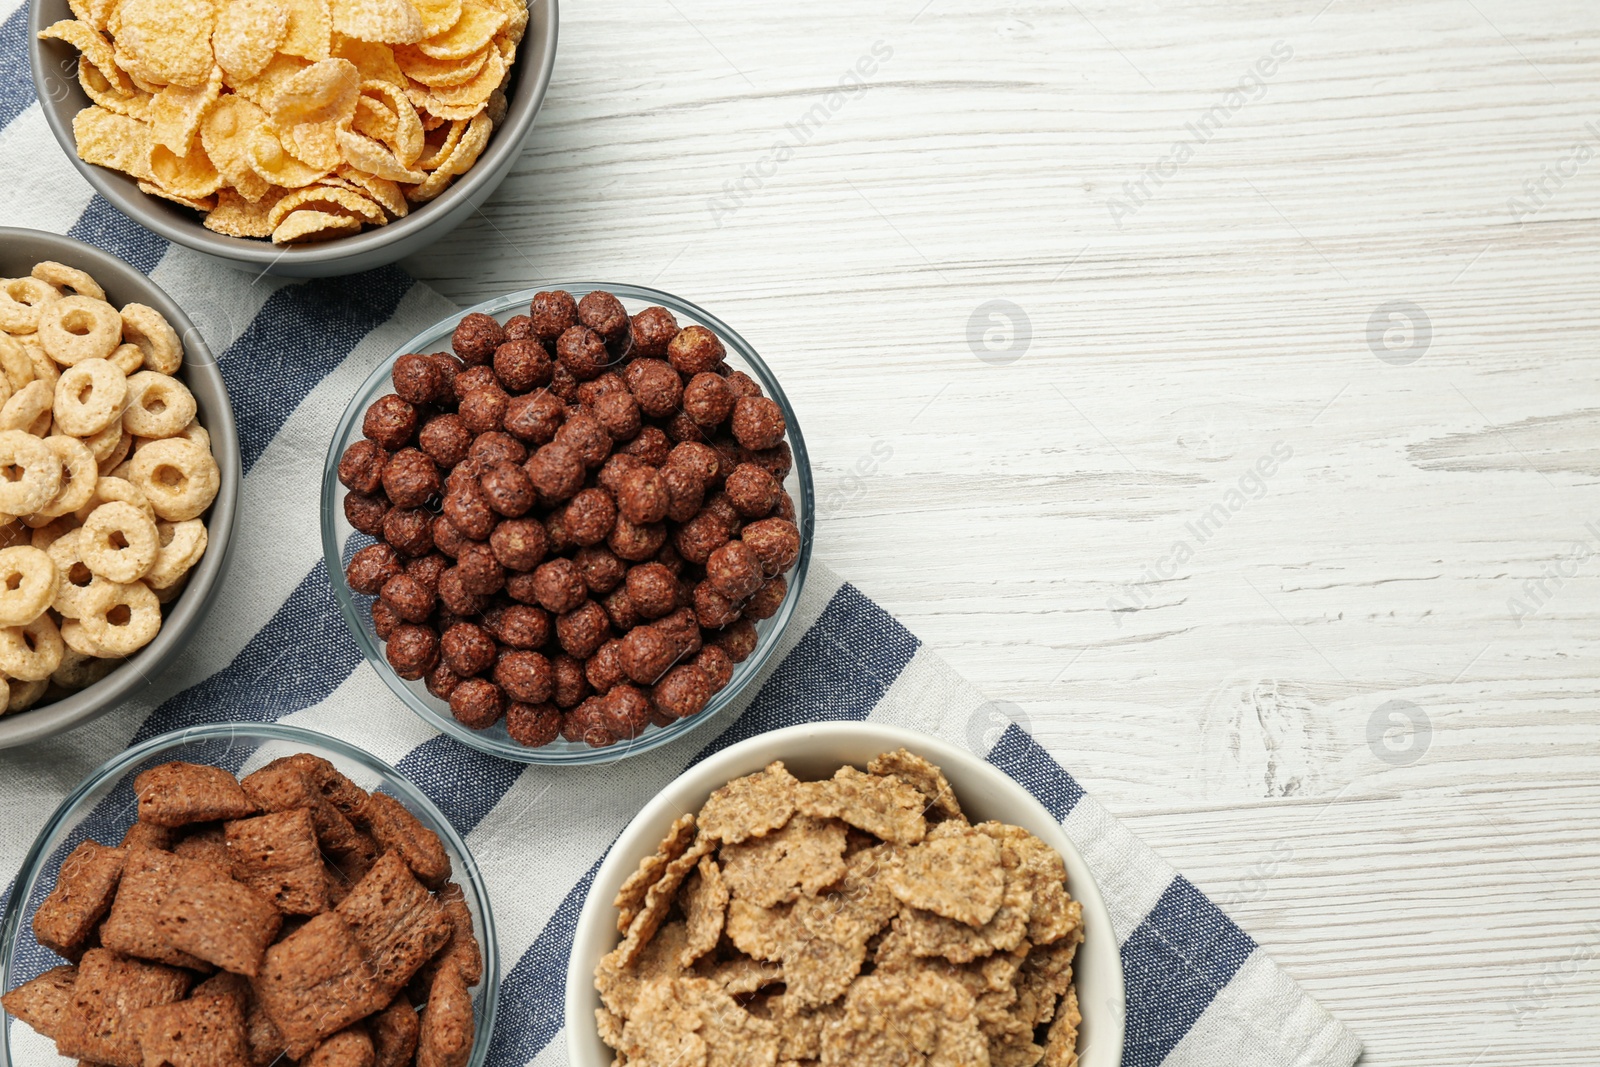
x: 1198, y: 990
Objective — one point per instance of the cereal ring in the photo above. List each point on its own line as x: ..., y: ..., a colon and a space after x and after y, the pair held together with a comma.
x: 24, y: 695
x: 80, y: 671
x: 182, y: 545
x: 15, y: 363
x: 89, y: 397
x: 107, y: 489
x: 180, y: 479
x: 78, y: 586
x: 195, y: 434
x: 78, y: 477
x: 120, y: 543
x: 27, y: 408
x: 102, y: 444
x: 115, y: 465
x: 158, y: 405
x: 149, y: 329
x: 75, y: 328
x: 123, y: 619
x: 44, y: 368
x: 127, y: 359
x: 21, y: 300
x: 77, y: 639
x: 30, y: 473
x: 62, y: 276
x: 32, y: 652
x: 27, y: 584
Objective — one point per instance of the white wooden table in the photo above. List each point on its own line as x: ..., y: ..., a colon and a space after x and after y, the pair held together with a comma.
x: 1372, y: 270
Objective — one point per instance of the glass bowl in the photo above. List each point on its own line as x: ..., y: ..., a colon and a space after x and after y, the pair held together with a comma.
x: 103, y: 808
x: 340, y: 540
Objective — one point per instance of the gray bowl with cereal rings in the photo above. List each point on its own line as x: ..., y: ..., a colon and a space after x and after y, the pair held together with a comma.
x: 58, y: 710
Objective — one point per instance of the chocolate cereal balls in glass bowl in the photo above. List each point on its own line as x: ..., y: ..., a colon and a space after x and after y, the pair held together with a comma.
x: 570, y: 524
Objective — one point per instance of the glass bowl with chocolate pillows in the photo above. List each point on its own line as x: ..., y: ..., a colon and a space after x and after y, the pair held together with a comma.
x: 571, y: 524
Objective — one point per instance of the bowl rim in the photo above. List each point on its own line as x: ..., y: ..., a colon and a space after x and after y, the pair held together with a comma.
x: 595, y: 932
x: 120, y: 764
x: 206, y: 581
x: 752, y: 667
x: 505, y: 145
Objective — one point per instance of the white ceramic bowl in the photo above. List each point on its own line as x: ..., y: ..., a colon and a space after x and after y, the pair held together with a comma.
x: 815, y: 751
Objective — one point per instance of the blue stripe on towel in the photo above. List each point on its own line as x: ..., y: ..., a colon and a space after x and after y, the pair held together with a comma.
x: 465, y: 783
x: 105, y: 227
x: 1024, y: 759
x: 16, y: 75
x: 1173, y: 965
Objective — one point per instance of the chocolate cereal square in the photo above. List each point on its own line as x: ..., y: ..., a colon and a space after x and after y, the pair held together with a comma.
x: 203, y: 844
x: 263, y: 1043
x: 396, y: 921
x: 334, y: 787
x: 177, y: 794
x: 203, y: 1031
x: 347, y: 1048
x: 447, y: 1031
x: 277, y: 855
x: 394, y: 1034
x: 285, y: 786
x: 109, y: 993
x: 461, y: 950
x: 220, y: 921
x: 148, y: 879
x: 316, y: 982
x: 148, y: 835
x: 45, y: 1002
x: 85, y: 887
x: 397, y: 830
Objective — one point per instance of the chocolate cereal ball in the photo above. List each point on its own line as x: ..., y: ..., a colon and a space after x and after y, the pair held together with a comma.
x: 707, y: 399
x: 647, y: 653
x: 427, y: 569
x: 519, y: 328
x: 686, y: 491
x: 583, y: 434
x: 682, y: 629
x: 559, y: 586
x: 480, y: 572
x: 752, y: 490
x: 591, y: 391
x: 653, y: 589
x: 412, y: 651
x: 409, y: 531
x: 587, y: 724
x: 652, y: 446
x: 568, y: 686
x: 446, y: 439
x: 508, y: 489
x: 455, y: 598
x: 683, y: 692
x: 468, y: 509
x: 476, y: 337
x: 653, y: 330
x: 616, y: 465
x: 483, y: 410
x: 525, y: 676
x: 533, y: 725
x: 738, y: 640
x: 766, y: 601
x: 410, y: 478
x: 741, y: 384
x: 556, y: 471
x: 625, y: 711
x: 602, y: 570
x: 370, y: 567
x: 417, y: 379
x: 523, y: 365
x: 583, y: 630
x: 365, y: 512
x: 680, y: 427
x: 389, y: 422
x: 642, y: 495
x: 361, y: 467
x: 618, y: 414
x: 519, y: 544
x: 477, y: 704
x: 717, y: 664
x: 447, y: 538
x: 713, y: 610
x: 776, y: 461
x: 442, y: 681
x: 621, y: 610
x: 636, y: 542
x: 411, y: 600
x: 700, y: 536
x: 520, y: 626
x: 655, y: 385
x: 495, y: 447
x: 694, y: 350
x: 471, y: 379
x: 604, y: 668
x: 734, y: 570
x: 534, y: 418
x: 776, y: 543
x: 697, y: 459
x: 604, y: 314
x: 553, y: 314
x: 583, y: 353
x: 590, y: 516
x: 384, y: 619
x: 758, y: 422
x: 468, y: 649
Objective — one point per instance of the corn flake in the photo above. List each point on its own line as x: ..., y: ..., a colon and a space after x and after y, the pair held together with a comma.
x: 93, y: 49
x: 334, y: 201
x: 386, y: 21
x: 472, y: 32
x: 169, y: 40
x: 365, y: 154
x: 176, y: 112
x: 805, y: 856
x: 248, y: 35
x: 225, y: 133
x: 957, y: 877
x: 705, y: 906
x: 189, y: 174
x: 376, y: 62
x: 437, y: 15
x: 135, y: 104
x: 305, y: 226
x: 884, y: 807
x: 310, y: 31
x: 433, y: 73
x: 235, y: 216
x: 107, y: 139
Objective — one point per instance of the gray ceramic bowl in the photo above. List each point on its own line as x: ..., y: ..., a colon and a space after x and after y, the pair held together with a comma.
x: 19, y: 251
x: 55, y: 79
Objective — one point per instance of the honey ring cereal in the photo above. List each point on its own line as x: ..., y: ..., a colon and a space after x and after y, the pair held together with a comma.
x: 119, y: 542
x: 30, y: 473
x: 77, y: 639
x: 158, y: 405
x: 123, y: 619
x: 21, y: 301
x: 89, y: 397
x: 128, y: 358
x: 102, y: 444
x: 80, y: 671
x: 149, y: 329
x: 14, y: 362
x: 182, y: 545
x: 32, y: 652
x: 26, y: 407
x: 119, y: 454
x: 25, y: 695
x: 75, y: 328
x: 107, y: 489
x: 44, y: 368
x: 196, y: 435
x: 78, y: 586
x: 79, y: 475
x: 64, y: 277
x: 27, y: 584
x: 180, y: 479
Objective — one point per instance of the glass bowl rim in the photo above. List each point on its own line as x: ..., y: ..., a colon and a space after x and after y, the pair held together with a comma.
x: 470, y: 878
x: 805, y: 519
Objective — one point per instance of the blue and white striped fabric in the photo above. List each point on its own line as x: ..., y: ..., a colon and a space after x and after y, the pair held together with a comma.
x: 1199, y: 992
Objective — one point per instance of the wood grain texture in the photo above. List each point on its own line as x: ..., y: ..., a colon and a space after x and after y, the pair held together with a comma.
x: 1079, y: 522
